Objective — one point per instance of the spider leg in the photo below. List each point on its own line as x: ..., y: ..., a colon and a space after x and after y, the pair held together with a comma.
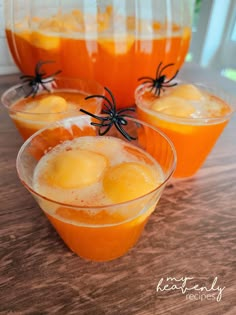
x: 28, y: 94
x: 37, y: 68
x: 47, y: 80
x: 27, y: 80
x: 35, y: 89
x: 123, y: 132
x: 107, y: 111
x: 172, y: 77
x: 51, y: 75
x: 162, y: 89
x: 100, y: 124
x: 108, y: 105
x: 120, y: 120
x: 158, y: 73
x: 101, y: 133
x: 148, y: 81
x: 55, y: 73
x: 26, y: 77
x: 157, y: 89
x: 153, y: 87
x: 166, y: 66
x: 143, y: 78
x: 41, y: 74
x: 92, y: 115
x: 113, y: 103
x: 44, y: 87
x: 169, y: 85
x: 40, y: 63
x: 30, y: 80
x: 100, y: 96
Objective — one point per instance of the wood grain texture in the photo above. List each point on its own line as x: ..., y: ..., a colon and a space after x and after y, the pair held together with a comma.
x: 192, y: 233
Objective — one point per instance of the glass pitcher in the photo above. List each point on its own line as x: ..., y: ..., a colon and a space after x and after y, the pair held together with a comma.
x: 114, y: 42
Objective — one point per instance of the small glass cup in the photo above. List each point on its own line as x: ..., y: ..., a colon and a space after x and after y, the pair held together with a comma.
x: 192, y: 137
x: 72, y: 90
x: 98, y: 233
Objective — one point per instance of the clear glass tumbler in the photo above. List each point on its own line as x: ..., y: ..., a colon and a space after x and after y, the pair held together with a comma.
x: 65, y: 99
x: 99, y: 232
x: 192, y: 115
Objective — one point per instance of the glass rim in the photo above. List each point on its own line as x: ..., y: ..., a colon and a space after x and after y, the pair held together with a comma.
x: 60, y: 78
x: 64, y: 122
x: 188, y: 120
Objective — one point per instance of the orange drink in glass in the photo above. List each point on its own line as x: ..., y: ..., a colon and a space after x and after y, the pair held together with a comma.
x: 111, y: 42
x: 97, y: 191
x: 65, y: 99
x: 192, y: 115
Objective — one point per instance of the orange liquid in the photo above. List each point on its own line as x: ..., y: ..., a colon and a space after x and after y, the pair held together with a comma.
x: 98, y: 243
x: 114, y: 64
x: 100, y: 236
x: 29, y: 123
x: 192, y: 142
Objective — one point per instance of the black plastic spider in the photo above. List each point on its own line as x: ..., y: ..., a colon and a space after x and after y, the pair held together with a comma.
x: 159, y: 82
x: 40, y: 80
x: 114, y: 116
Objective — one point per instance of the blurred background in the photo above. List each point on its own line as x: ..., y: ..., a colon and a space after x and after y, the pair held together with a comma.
x: 213, y: 44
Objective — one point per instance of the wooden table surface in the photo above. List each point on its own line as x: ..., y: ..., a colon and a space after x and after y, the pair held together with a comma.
x: 192, y: 233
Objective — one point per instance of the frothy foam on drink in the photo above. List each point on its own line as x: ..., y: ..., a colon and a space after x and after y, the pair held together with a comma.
x: 187, y: 101
x: 115, y: 151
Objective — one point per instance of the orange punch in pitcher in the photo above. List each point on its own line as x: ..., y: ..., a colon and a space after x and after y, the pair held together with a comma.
x: 87, y: 40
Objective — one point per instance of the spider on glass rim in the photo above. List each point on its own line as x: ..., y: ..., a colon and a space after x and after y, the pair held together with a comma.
x: 114, y: 116
x: 40, y: 80
x: 159, y: 83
